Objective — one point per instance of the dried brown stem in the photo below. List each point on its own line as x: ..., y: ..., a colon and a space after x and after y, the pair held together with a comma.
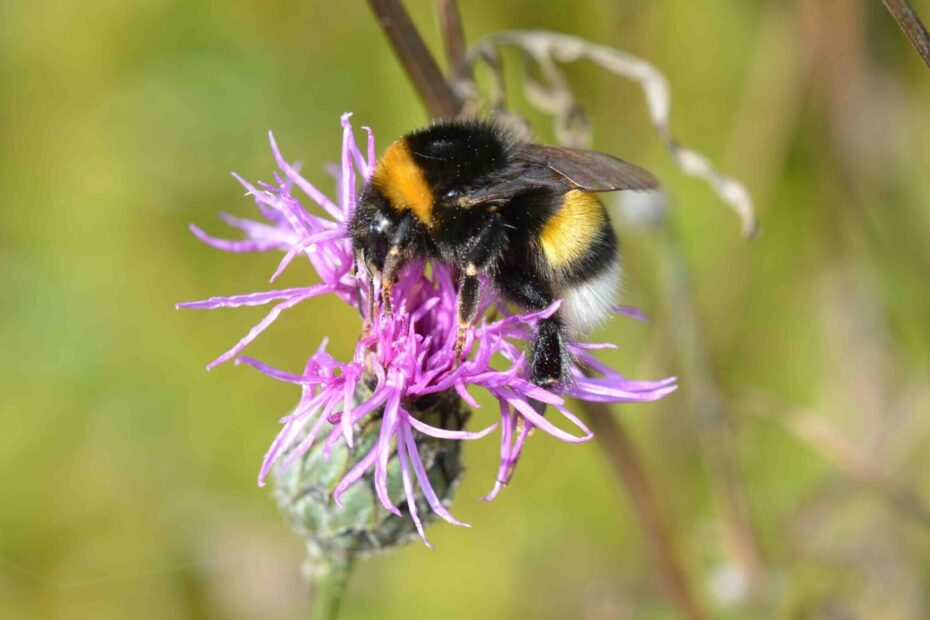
x: 421, y: 67
x: 913, y: 28
x: 453, y: 38
x: 620, y: 452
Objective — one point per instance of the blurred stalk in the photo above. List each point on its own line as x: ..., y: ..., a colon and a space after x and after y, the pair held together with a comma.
x: 857, y: 461
x: 911, y: 25
x: 622, y: 456
x: 330, y: 576
x: 771, y: 101
x: 715, y: 429
x: 860, y: 465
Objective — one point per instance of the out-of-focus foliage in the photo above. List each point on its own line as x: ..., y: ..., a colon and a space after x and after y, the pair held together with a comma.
x: 127, y: 474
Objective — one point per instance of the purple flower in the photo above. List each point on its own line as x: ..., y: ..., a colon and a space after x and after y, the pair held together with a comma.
x: 405, y: 355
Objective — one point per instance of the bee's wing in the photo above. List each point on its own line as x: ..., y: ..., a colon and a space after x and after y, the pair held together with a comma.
x: 589, y: 171
x: 540, y: 166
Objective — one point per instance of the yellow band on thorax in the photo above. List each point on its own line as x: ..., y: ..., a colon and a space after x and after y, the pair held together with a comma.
x: 403, y: 183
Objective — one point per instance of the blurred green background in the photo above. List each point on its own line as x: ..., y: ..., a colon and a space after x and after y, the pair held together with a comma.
x: 790, y: 467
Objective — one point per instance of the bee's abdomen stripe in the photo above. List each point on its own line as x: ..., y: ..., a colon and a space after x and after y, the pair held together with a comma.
x: 577, y: 241
x: 571, y: 231
x: 601, y: 254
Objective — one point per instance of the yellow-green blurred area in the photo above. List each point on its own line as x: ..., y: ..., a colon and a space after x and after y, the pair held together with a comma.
x: 790, y: 468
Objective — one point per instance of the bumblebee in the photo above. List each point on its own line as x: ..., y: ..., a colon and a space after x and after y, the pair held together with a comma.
x: 467, y: 194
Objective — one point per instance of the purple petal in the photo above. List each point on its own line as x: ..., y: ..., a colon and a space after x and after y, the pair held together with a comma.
x: 307, y: 441
x: 279, y: 375
x: 345, y: 420
x: 442, y: 433
x: 287, y: 435
x: 258, y: 230
x: 247, y: 245
x: 532, y: 416
x: 409, y: 492
x: 525, y: 430
x: 305, y: 186
x: 507, y: 423
x: 348, y: 173
x: 423, y: 478
x: 636, y: 313
x: 464, y: 395
x: 355, y: 474
x: 249, y: 299
x: 304, y: 244
x: 352, y: 146
x: 265, y: 322
x: 593, y: 346
x: 388, y: 426
x: 598, y: 392
x: 372, y: 157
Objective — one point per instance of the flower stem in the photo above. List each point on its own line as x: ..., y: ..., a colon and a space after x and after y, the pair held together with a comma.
x: 330, y: 575
x: 622, y: 456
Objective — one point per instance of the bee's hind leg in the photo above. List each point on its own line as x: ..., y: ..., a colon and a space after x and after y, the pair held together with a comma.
x: 549, y: 358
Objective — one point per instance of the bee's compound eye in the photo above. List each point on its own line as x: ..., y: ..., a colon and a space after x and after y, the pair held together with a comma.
x: 452, y: 194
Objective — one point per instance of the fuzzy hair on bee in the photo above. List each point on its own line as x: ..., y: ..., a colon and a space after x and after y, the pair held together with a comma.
x: 467, y: 194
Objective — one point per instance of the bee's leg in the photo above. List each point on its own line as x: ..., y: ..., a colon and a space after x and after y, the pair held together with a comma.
x: 371, y: 296
x: 392, y: 265
x: 549, y: 360
x: 469, y: 297
x: 483, y: 251
x: 395, y: 260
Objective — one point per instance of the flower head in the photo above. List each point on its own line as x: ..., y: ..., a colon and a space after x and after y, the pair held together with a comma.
x: 401, y: 358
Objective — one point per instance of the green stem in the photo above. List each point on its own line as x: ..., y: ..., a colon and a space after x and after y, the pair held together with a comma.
x: 330, y: 575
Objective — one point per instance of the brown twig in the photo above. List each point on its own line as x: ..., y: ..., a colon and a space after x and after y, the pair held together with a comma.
x: 621, y: 453
x: 913, y: 28
x: 453, y: 38
x: 421, y: 67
